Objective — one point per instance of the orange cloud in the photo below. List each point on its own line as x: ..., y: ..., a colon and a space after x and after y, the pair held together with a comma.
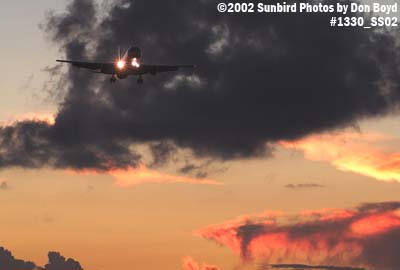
x: 329, y: 214
x: 351, y: 152
x: 142, y: 175
x: 188, y: 263
x: 319, y: 237
x: 36, y: 117
x: 209, y: 267
x: 375, y: 224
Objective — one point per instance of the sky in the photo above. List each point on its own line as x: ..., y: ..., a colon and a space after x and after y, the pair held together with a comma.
x: 238, y: 160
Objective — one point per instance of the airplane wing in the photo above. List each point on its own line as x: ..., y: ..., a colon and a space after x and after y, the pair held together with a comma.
x: 110, y: 67
x: 89, y: 65
x: 153, y: 69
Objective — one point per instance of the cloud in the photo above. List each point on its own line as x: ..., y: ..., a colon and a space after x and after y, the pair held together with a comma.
x: 366, y: 236
x: 304, y: 186
x: 13, y: 119
x: 188, y: 263
x: 352, y: 152
x: 4, y: 186
x: 56, y: 262
x: 201, y: 169
x: 141, y: 175
x: 261, y: 79
x: 8, y: 262
x: 209, y: 267
x: 162, y: 153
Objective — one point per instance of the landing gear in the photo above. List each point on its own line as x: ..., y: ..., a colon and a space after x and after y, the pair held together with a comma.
x: 140, y: 80
x: 113, y: 79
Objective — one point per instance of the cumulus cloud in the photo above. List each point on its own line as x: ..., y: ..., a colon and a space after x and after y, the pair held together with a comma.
x: 8, y: 262
x: 56, y: 262
x: 261, y: 79
x: 366, y: 236
x: 59, y: 262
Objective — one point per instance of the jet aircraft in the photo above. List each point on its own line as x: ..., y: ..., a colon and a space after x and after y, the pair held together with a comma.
x: 129, y: 64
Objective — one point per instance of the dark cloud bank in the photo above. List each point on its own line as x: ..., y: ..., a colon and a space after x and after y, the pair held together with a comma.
x: 56, y: 262
x: 260, y: 78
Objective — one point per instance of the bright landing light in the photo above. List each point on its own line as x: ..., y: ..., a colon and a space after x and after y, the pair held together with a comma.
x: 120, y: 64
x: 135, y: 63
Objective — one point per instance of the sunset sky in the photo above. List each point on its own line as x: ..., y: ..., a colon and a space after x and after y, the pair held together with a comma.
x: 153, y: 217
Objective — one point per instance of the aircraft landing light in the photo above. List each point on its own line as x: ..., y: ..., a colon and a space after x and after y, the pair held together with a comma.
x: 135, y: 63
x: 120, y: 64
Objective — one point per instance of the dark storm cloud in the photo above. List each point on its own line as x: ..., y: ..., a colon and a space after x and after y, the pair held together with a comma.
x: 304, y: 186
x: 260, y: 78
x: 33, y: 144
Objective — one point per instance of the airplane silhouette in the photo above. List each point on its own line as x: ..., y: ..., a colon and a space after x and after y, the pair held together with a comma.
x: 129, y: 64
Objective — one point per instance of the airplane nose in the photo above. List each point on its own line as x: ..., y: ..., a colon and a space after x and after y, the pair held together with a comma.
x: 135, y: 63
x: 120, y: 64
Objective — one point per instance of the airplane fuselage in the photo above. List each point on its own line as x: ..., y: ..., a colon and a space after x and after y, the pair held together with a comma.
x: 129, y: 64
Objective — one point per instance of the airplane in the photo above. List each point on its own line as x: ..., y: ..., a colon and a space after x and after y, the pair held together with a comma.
x: 129, y: 64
